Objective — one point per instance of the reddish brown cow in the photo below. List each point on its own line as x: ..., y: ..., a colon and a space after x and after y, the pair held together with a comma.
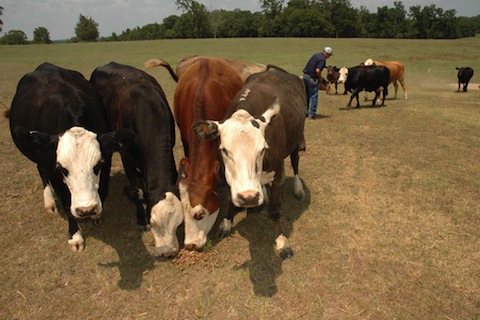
x: 397, y: 73
x: 204, y: 91
x: 243, y: 68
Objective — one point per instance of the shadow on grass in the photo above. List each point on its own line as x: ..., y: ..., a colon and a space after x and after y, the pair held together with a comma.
x: 265, y: 266
x: 120, y: 232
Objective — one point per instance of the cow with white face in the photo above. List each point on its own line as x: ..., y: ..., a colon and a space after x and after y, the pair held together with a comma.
x: 58, y: 122
x: 263, y: 126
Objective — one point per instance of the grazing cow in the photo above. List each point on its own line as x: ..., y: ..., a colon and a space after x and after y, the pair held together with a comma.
x: 397, y: 73
x: 357, y: 79
x: 243, y: 68
x: 204, y: 91
x: 263, y: 126
x: 134, y: 100
x: 58, y: 122
x: 464, y: 75
x: 332, y: 78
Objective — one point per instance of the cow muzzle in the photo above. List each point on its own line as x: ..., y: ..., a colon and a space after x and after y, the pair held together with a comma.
x: 87, y: 212
x: 249, y: 198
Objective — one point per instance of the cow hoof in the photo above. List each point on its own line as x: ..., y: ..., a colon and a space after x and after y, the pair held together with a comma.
x: 225, y: 228
x: 286, y: 253
x: 283, y: 248
x: 298, y: 188
x: 77, y: 243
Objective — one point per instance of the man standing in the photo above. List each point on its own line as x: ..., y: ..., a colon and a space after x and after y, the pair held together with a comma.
x: 311, y: 75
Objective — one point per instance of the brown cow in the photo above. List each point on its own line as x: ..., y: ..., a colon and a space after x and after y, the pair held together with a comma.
x: 243, y: 68
x: 204, y: 91
x: 397, y: 73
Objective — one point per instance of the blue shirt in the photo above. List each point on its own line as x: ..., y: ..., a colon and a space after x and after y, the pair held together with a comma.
x: 317, y: 61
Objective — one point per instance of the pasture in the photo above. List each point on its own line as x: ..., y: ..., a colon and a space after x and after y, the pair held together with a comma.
x: 390, y: 227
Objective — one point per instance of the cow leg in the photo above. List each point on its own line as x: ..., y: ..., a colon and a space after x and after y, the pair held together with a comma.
x: 282, y: 245
x: 48, y: 193
x: 465, y: 86
x: 458, y: 89
x: 395, y: 85
x: 404, y: 88
x: 226, y: 225
x: 354, y: 95
x: 377, y: 93
x: 297, y: 183
x: 75, y: 238
x: 135, y: 192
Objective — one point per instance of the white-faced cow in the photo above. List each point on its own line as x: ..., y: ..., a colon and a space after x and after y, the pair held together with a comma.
x: 464, y: 75
x: 134, y: 100
x: 357, y: 79
x: 263, y: 126
x: 58, y: 122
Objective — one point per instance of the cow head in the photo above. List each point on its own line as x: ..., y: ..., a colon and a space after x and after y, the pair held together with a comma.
x: 342, y: 75
x: 80, y: 157
x: 166, y: 216
x: 243, y: 147
x: 200, y: 201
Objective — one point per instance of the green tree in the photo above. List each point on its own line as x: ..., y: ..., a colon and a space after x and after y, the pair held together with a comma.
x: 41, y: 35
x: 86, y: 29
x: 1, y: 22
x: 14, y: 37
x: 390, y: 22
x: 196, y: 18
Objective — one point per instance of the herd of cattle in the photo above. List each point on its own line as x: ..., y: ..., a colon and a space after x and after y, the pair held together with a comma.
x: 238, y: 121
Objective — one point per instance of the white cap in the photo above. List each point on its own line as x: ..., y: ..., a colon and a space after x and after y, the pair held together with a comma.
x: 328, y: 50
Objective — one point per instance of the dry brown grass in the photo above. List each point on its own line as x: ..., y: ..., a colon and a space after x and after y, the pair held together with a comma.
x: 390, y: 228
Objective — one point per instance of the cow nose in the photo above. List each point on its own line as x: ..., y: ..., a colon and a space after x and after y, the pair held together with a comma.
x: 85, y: 212
x: 249, y: 198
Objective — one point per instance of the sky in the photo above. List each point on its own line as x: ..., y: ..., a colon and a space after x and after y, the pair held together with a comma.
x: 61, y: 16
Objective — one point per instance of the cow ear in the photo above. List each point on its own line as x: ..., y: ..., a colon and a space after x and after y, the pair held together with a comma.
x: 270, y: 114
x: 36, y: 139
x: 207, y: 130
x: 116, y: 140
x: 184, y: 169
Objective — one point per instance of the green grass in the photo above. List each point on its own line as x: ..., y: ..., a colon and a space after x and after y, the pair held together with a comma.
x: 390, y: 228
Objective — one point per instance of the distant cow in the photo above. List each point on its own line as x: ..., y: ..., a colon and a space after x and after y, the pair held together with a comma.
x: 243, y: 68
x: 204, y: 91
x: 464, y: 75
x: 134, y: 100
x: 263, y: 126
x: 58, y: 122
x: 332, y: 78
x: 357, y: 79
x: 397, y: 73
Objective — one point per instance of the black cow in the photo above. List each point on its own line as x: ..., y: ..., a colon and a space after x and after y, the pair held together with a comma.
x: 464, y: 75
x: 134, y: 100
x: 58, y: 122
x: 371, y: 78
x: 263, y: 126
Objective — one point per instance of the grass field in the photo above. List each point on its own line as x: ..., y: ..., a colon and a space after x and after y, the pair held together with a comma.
x: 390, y: 228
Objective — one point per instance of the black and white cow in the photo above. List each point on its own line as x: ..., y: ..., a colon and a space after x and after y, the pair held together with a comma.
x: 371, y: 78
x: 134, y: 100
x: 464, y: 75
x: 58, y: 122
x: 263, y: 126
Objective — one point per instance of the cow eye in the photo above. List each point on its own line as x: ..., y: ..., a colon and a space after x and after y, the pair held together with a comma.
x: 98, y: 166
x: 62, y: 170
x: 224, y: 152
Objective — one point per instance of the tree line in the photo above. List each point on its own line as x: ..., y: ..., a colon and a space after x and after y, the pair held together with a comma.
x: 298, y: 18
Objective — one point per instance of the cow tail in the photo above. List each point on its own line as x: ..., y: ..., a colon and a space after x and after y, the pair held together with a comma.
x: 162, y: 63
x: 272, y: 66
